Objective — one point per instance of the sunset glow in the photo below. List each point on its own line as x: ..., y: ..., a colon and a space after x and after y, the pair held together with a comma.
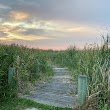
x: 18, y: 15
x: 53, y: 24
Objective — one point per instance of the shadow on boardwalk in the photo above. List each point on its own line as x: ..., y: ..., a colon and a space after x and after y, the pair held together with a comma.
x: 58, y: 91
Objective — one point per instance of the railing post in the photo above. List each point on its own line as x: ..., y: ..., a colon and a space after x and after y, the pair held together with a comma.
x: 82, y: 89
x: 11, y: 74
x: 108, y: 100
x: 12, y: 81
x: 109, y: 83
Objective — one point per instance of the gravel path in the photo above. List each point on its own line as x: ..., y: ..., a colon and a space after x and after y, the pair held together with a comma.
x: 58, y: 91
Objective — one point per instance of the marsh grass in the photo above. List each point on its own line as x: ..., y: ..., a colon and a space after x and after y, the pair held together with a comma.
x: 93, y: 61
x: 31, y: 66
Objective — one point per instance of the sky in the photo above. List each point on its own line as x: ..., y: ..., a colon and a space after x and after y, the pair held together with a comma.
x: 53, y: 24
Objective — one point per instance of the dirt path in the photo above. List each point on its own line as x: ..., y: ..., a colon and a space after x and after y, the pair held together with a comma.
x: 58, y: 91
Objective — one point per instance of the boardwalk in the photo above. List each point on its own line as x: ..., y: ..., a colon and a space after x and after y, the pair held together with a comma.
x: 58, y: 91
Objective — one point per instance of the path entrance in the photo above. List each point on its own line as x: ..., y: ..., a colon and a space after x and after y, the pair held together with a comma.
x: 58, y: 91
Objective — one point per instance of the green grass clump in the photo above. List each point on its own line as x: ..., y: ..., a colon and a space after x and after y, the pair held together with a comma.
x: 30, y: 65
x: 22, y: 104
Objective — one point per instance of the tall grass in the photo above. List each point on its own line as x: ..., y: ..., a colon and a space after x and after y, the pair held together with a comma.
x: 94, y: 61
x: 31, y: 65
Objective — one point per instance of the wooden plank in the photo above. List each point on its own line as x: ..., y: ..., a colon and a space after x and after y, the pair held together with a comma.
x: 82, y: 89
x: 109, y: 83
x: 11, y: 73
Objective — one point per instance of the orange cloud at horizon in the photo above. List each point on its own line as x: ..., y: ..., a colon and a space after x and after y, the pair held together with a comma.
x: 27, y: 38
x: 18, y: 15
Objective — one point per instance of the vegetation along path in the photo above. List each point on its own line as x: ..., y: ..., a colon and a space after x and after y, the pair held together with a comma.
x: 58, y: 91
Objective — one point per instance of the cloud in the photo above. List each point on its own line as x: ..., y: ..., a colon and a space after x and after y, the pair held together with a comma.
x: 4, y: 6
x: 17, y: 31
x: 12, y: 37
x: 34, y: 32
x: 17, y: 15
x: 72, y: 10
x: 52, y: 22
x: 27, y: 38
x: 2, y: 34
x: 47, y: 29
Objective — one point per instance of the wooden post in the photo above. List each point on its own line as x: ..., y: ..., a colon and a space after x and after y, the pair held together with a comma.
x: 12, y: 81
x: 11, y: 73
x: 109, y: 83
x: 108, y: 99
x: 82, y: 89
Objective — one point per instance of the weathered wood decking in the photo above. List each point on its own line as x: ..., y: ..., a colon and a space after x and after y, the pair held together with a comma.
x: 58, y: 91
